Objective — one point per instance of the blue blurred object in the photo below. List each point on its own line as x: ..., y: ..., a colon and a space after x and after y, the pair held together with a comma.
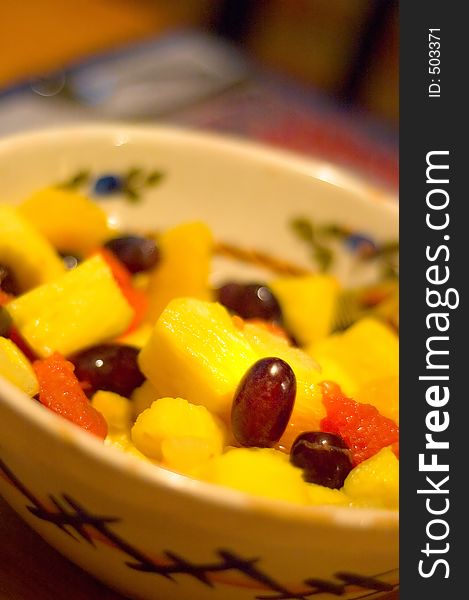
x: 107, y: 184
x: 361, y: 244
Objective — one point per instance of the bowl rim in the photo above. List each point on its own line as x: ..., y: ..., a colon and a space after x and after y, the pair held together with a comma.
x: 315, y: 167
x: 158, y: 477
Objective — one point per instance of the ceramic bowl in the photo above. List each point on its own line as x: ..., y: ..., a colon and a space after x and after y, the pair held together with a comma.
x: 145, y: 531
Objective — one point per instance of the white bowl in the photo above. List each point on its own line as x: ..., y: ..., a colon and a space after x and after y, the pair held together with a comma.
x: 143, y: 530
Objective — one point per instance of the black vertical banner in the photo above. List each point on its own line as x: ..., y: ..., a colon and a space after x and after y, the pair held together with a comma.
x: 434, y: 228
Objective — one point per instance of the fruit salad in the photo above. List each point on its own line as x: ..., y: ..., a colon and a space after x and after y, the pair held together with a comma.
x: 253, y: 385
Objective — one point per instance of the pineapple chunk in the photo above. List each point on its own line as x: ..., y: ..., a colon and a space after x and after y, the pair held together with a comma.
x: 375, y: 481
x: 83, y: 307
x: 143, y: 397
x: 188, y: 455
x: 15, y: 367
x: 71, y: 222
x: 184, y: 270
x: 308, y: 305
x: 138, y: 337
x: 259, y: 471
x: 196, y: 352
x: 382, y: 393
x: 367, y: 351
x: 116, y: 409
x: 178, y: 433
x: 319, y: 494
x: 122, y: 441
x: 26, y: 252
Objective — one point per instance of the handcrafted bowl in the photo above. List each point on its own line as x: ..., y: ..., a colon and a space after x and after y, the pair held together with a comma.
x: 145, y: 531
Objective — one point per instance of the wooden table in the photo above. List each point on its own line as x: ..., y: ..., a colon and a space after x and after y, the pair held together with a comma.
x: 30, y: 569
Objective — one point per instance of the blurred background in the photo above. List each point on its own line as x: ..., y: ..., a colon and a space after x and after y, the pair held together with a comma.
x: 316, y: 76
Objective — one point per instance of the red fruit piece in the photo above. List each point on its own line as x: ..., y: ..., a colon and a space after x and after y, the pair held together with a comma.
x: 362, y: 426
x: 60, y: 391
x: 136, y: 298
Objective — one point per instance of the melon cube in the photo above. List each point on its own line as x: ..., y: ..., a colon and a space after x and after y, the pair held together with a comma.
x: 82, y: 308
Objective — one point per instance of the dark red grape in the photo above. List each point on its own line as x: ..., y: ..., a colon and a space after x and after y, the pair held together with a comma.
x: 7, y: 281
x: 136, y: 253
x: 324, y: 457
x: 250, y: 301
x: 263, y: 403
x: 109, y: 367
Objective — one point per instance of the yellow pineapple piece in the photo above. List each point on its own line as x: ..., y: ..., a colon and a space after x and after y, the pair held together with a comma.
x: 122, y: 441
x: 308, y: 305
x: 115, y: 409
x: 15, y: 367
x: 319, y: 494
x: 259, y: 471
x: 143, y: 397
x: 25, y: 251
x: 187, y: 455
x: 375, y: 481
x: 169, y: 419
x: 184, y: 269
x: 138, y: 337
x: 367, y: 351
x: 70, y: 221
x: 83, y: 307
x: 141, y: 281
x: 197, y: 353
x: 382, y: 393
